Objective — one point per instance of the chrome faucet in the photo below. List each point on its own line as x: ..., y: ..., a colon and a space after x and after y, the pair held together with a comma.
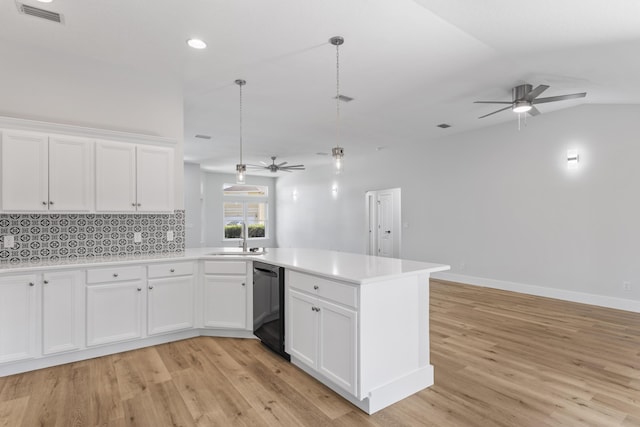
x: 243, y: 235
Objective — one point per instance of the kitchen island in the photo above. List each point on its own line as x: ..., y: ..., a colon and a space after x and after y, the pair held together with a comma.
x: 359, y: 324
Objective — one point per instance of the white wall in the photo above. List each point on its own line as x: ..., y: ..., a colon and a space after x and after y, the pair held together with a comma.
x: 212, y: 221
x: 499, y: 205
x: 193, y: 205
x: 58, y: 88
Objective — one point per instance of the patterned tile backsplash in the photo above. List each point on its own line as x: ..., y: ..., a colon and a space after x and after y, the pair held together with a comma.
x: 50, y: 237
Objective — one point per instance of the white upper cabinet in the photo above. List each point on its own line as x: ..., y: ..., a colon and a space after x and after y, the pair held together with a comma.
x: 115, y: 177
x: 25, y: 171
x: 133, y: 178
x: 42, y: 173
x: 155, y: 168
x: 70, y: 174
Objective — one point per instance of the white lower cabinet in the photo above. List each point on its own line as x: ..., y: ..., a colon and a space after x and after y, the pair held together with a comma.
x: 17, y: 318
x: 62, y: 311
x: 225, y: 300
x: 114, y: 312
x: 321, y: 333
x: 170, y: 298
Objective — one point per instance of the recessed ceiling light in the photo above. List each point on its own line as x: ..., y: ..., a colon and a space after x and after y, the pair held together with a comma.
x: 45, y: 1
x: 196, y: 43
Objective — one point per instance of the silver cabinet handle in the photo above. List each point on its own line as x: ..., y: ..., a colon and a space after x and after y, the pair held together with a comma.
x: 173, y: 270
x: 51, y: 202
x: 150, y: 287
x: 318, y: 309
x: 115, y: 274
x: 44, y: 203
x: 316, y: 287
x: 31, y: 284
x: 244, y: 284
x: 139, y: 204
x: 46, y: 282
x: 133, y: 204
x: 315, y: 308
x: 139, y: 289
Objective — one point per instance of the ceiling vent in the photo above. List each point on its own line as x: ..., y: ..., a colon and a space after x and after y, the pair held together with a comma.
x: 444, y: 126
x: 40, y: 13
x: 343, y: 98
x: 203, y: 136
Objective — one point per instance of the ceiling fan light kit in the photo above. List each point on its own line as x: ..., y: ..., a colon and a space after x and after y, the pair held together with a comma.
x: 525, y: 97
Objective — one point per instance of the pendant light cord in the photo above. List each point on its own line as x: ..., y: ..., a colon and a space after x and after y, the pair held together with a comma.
x: 240, y: 123
x: 337, y: 95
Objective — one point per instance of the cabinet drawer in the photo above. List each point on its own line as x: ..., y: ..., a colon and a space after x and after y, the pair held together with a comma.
x: 170, y: 269
x: 225, y: 267
x: 328, y: 289
x: 114, y: 274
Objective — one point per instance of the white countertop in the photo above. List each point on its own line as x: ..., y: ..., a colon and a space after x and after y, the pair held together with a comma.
x: 350, y: 267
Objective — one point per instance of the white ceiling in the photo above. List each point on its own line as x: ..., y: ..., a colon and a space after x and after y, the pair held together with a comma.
x: 410, y: 65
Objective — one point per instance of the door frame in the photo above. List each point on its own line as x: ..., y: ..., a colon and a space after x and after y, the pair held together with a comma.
x: 371, y: 221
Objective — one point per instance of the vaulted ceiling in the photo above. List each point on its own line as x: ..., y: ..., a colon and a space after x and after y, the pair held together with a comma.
x: 409, y: 65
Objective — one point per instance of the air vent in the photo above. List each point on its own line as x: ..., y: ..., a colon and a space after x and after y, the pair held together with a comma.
x: 203, y: 136
x: 444, y: 126
x: 343, y: 98
x: 40, y: 13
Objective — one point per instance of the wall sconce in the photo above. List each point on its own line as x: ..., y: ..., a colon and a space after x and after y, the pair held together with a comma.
x: 572, y: 159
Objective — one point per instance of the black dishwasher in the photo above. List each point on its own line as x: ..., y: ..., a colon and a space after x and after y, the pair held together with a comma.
x: 268, y: 306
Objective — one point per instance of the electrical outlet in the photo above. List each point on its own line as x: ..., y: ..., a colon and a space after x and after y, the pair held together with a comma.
x: 626, y: 286
x: 137, y: 237
x: 8, y: 241
x: 170, y: 236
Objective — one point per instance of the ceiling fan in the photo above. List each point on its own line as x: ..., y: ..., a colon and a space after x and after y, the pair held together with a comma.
x: 524, y: 99
x: 273, y: 167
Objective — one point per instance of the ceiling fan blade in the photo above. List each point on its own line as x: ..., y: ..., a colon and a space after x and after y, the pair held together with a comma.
x: 281, y: 164
x: 534, y: 111
x: 497, y: 111
x: 294, y: 166
x: 263, y: 163
x: 536, y: 92
x: 559, y: 98
x: 256, y: 166
x: 492, y: 102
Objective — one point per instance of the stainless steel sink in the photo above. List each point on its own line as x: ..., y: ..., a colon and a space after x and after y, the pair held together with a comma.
x: 238, y: 251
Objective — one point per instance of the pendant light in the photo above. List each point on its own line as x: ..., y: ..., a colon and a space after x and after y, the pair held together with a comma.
x: 337, y: 152
x: 241, y: 168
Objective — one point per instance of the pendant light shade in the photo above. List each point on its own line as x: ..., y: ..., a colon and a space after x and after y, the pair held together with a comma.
x: 241, y: 168
x: 337, y: 152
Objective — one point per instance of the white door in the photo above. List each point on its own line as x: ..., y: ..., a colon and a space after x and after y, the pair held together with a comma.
x: 71, y: 170
x: 17, y: 318
x: 155, y: 171
x: 170, y: 304
x: 115, y: 177
x: 25, y: 171
x: 114, y: 312
x: 225, y: 302
x: 384, y: 222
x: 337, y: 344
x: 62, y: 311
x: 302, y: 328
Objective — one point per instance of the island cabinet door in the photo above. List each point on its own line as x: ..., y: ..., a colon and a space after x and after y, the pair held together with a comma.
x: 337, y: 356
x: 303, y: 328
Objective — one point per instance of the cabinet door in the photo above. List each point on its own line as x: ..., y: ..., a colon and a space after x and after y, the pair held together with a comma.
x: 62, y: 311
x: 170, y: 304
x: 115, y: 177
x: 70, y: 174
x: 302, y: 328
x: 25, y: 169
x: 17, y: 318
x: 225, y: 302
x: 337, y: 358
x: 114, y: 312
x: 155, y: 170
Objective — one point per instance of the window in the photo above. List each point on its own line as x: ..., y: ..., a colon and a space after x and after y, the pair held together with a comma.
x: 245, y: 204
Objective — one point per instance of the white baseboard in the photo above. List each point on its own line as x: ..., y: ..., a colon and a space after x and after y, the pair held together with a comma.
x: 573, y: 296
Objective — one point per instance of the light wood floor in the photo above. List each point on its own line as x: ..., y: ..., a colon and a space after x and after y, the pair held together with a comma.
x: 501, y: 359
